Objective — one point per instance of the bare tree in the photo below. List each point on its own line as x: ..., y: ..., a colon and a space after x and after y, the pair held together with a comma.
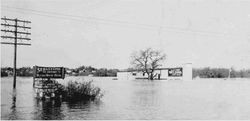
x: 147, y: 61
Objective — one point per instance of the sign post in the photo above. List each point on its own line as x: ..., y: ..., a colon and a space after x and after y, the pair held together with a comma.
x: 46, y: 86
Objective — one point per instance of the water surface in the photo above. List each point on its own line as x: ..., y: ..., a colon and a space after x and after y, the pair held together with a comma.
x: 134, y: 99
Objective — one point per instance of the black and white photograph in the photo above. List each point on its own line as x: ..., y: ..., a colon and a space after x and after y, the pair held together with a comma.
x: 125, y: 59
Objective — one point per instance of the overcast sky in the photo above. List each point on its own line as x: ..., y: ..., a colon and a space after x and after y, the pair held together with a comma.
x: 104, y: 33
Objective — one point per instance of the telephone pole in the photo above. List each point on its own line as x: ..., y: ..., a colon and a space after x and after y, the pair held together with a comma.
x: 12, y: 30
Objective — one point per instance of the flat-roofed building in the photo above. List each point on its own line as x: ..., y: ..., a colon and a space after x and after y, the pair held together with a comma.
x: 183, y: 72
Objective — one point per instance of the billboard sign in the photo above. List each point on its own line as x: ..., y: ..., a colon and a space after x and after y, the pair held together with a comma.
x: 49, y: 72
x: 175, y: 72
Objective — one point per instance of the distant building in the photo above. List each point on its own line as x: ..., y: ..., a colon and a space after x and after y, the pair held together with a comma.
x: 183, y: 72
x: 68, y: 71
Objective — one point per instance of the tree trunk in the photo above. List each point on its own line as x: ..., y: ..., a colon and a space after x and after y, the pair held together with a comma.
x: 148, y: 75
x: 151, y: 76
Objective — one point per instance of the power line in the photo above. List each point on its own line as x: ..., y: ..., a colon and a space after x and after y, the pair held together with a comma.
x: 109, y: 21
x: 8, y: 25
x: 17, y: 32
x: 82, y: 19
x: 7, y: 19
x: 10, y: 37
x: 10, y: 43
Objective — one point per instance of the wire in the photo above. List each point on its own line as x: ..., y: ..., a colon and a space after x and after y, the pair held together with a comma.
x: 82, y: 19
x: 109, y: 21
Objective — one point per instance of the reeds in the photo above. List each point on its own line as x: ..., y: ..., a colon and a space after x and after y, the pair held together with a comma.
x: 78, y: 91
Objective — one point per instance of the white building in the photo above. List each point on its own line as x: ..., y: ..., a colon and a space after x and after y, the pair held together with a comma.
x: 183, y: 72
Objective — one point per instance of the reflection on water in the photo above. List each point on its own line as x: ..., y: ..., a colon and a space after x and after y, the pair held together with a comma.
x: 133, y: 99
x: 49, y: 110
x: 13, y: 106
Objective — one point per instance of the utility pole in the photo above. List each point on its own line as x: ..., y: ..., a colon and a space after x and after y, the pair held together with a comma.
x: 12, y: 31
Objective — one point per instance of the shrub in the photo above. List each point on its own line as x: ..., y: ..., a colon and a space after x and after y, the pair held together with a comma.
x: 75, y: 91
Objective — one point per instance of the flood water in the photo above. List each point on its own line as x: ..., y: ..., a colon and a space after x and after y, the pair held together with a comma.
x: 134, y: 99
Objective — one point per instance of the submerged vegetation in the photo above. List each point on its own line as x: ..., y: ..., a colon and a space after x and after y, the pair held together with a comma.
x: 79, y: 91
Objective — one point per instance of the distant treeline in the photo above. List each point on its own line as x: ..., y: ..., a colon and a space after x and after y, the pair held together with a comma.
x: 220, y: 73
x: 91, y: 71
x: 24, y: 71
x: 80, y: 71
x: 103, y: 72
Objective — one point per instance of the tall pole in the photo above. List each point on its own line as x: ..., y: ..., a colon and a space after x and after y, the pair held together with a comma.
x: 17, y: 35
x: 15, y: 52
